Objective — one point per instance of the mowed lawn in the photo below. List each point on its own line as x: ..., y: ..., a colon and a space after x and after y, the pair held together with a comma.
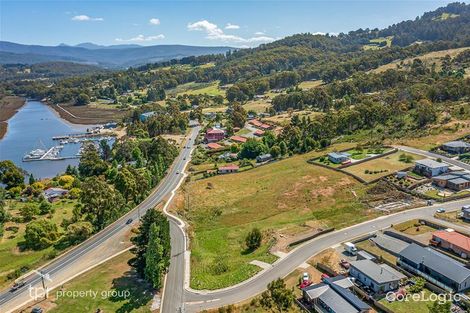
x: 111, y: 286
x: 381, y: 166
x: 281, y: 196
x: 409, y: 306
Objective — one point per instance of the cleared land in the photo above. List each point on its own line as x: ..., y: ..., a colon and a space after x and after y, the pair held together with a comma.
x: 90, y: 114
x: 258, y: 106
x: 114, y: 277
x: 309, y: 84
x: 193, y: 88
x: 9, y: 105
x: 12, y: 255
x: 380, y: 167
x: 285, y: 118
x: 428, y: 59
x: 283, y: 197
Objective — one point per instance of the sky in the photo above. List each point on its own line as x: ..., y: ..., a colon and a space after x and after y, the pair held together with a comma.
x: 204, y: 23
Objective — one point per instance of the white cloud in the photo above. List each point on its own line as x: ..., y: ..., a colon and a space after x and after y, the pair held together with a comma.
x: 215, y: 33
x: 259, y: 33
x: 86, y: 18
x: 154, y: 21
x: 141, y: 38
x: 231, y: 26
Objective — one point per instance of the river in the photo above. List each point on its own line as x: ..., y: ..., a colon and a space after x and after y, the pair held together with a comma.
x: 33, y: 127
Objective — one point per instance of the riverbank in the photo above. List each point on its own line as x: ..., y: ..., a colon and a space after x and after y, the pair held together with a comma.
x: 89, y: 114
x: 9, y: 105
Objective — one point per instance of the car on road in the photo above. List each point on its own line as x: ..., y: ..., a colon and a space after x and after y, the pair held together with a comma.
x: 17, y: 285
x: 344, y: 264
x: 36, y: 310
x: 177, y: 173
x: 129, y: 221
x: 441, y: 210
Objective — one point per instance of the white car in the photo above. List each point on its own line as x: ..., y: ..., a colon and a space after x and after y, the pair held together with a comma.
x: 441, y: 210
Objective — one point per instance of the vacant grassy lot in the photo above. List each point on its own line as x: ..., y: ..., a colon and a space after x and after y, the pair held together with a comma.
x: 12, y: 256
x: 370, y: 247
x: 381, y: 166
x: 258, y: 106
x: 114, y: 276
x: 309, y: 84
x: 282, y: 196
x: 284, y: 119
x: 409, y: 306
x: 91, y: 114
x: 193, y: 88
x: 374, y: 43
x: 413, y: 227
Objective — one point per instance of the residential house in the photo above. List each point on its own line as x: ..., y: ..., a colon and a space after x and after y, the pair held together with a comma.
x: 449, y: 239
x: 453, y: 180
x: 333, y: 296
x: 214, y: 135
x: 214, y: 146
x: 228, y: 156
x: 259, y: 133
x: 231, y: 168
x: 263, y: 158
x: 380, y: 278
x: 435, y: 267
x: 145, y: 116
x: 339, y: 157
x: 430, y: 168
x: 53, y: 193
x: 239, y: 139
x: 456, y: 147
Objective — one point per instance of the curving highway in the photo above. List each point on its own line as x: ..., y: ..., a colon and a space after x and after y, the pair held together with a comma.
x: 102, y: 246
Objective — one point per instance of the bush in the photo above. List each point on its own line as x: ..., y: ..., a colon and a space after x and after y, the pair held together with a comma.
x: 253, y: 239
x: 418, y: 286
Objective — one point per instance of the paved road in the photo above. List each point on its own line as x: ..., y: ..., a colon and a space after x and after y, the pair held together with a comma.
x: 435, y: 156
x: 198, y: 301
x: 103, y: 245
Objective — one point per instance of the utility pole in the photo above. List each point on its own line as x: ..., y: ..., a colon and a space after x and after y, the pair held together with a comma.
x: 43, y: 284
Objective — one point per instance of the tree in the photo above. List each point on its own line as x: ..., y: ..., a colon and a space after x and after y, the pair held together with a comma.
x: 100, y: 203
x: 278, y: 296
x: 10, y: 174
x: 154, y: 258
x: 78, y: 232
x: 275, y: 151
x: 283, y: 148
x: 82, y: 99
x: 45, y: 207
x: 28, y: 211
x: 31, y: 179
x: 425, y: 113
x: 252, y: 148
x: 141, y: 240
x: 253, y: 239
x: 439, y: 307
x: 105, y: 149
x: 41, y: 234
x: 91, y: 163
x: 238, y: 115
x: 3, y: 212
x: 126, y: 183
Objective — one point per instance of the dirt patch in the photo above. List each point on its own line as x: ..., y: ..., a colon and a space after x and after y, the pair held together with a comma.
x: 9, y: 105
x: 328, y: 257
x: 326, y: 192
x: 86, y: 114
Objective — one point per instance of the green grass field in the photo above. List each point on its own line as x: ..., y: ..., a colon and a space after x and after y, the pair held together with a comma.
x: 192, y: 88
x: 282, y: 196
x: 309, y: 84
x: 127, y: 293
x: 381, y: 166
x: 11, y: 256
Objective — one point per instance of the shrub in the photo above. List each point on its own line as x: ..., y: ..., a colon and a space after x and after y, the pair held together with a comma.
x: 253, y: 239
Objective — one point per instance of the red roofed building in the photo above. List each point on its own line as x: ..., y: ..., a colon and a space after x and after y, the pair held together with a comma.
x: 231, y: 168
x: 238, y: 139
x: 214, y: 135
x: 265, y: 126
x: 259, y: 133
x: 213, y: 146
x: 451, y: 240
x: 255, y: 123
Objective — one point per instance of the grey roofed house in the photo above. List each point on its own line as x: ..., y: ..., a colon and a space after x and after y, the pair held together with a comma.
x: 331, y: 295
x: 379, y: 273
x: 457, y: 146
x: 430, y: 163
x: 437, y: 265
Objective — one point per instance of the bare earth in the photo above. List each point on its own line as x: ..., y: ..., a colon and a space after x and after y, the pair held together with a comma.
x: 9, y: 105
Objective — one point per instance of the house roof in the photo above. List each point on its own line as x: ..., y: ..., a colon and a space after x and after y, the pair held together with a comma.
x: 459, y: 180
x: 259, y: 132
x: 53, y: 191
x: 339, y: 155
x: 238, y: 138
x: 229, y: 167
x: 436, y: 261
x: 457, y: 144
x: 453, y: 237
x: 215, y: 131
x: 255, y: 123
x: 147, y: 114
x: 265, y: 126
x: 264, y: 156
x: 338, y: 298
x: 214, y: 145
x: 431, y: 163
x: 379, y: 273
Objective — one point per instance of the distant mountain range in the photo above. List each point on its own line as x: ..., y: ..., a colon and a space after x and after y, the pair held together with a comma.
x: 116, y: 56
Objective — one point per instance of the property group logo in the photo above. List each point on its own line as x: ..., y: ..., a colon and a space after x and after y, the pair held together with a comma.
x: 421, y: 296
x: 41, y: 292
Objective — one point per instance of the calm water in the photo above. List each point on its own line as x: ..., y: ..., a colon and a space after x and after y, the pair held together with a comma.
x: 33, y: 127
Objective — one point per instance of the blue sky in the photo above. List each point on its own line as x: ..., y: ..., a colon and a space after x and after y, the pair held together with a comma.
x: 216, y: 22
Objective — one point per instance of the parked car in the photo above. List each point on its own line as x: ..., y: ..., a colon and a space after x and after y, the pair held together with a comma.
x: 441, y: 210
x: 36, y: 310
x: 129, y: 221
x: 344, y: 264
